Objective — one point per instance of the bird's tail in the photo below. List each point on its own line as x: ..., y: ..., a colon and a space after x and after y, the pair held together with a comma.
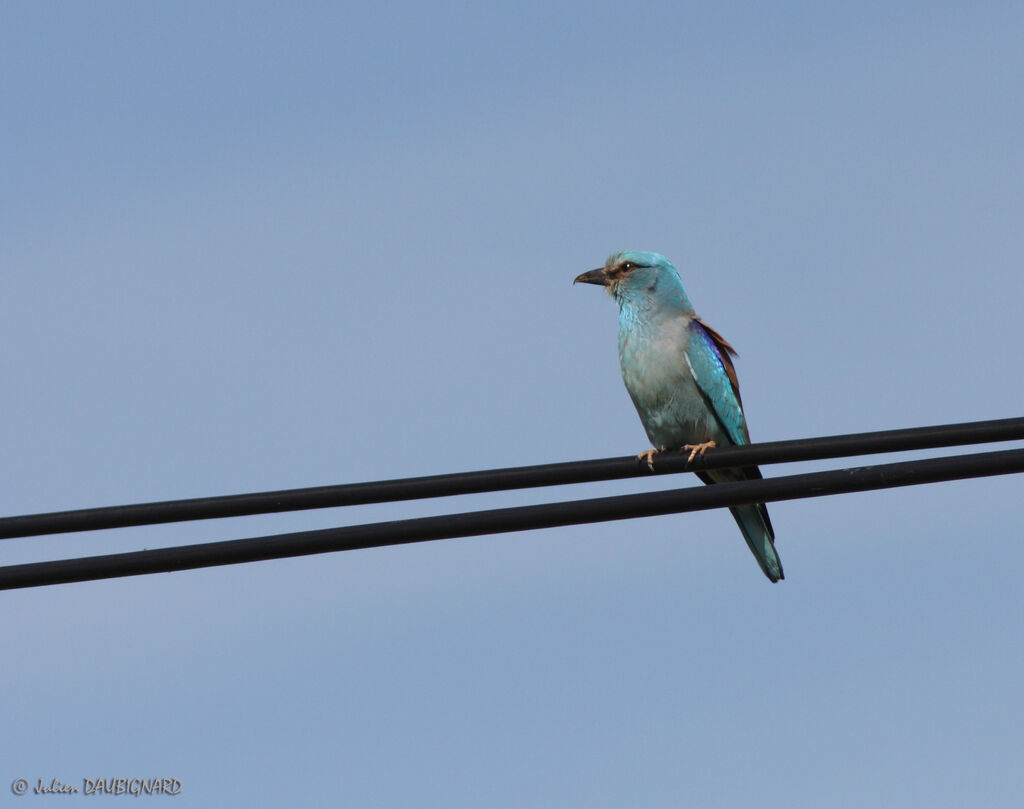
x: 757, y: 530
x: 753, y: 522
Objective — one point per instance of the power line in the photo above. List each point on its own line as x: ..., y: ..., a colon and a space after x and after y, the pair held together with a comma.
x: 522, y: 518
x: 238, y: 505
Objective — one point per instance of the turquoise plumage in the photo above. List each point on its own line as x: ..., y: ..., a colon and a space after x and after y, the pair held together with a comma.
x: 680, y: 376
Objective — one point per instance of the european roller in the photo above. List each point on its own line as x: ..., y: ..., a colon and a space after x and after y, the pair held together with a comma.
x: 680, y: 376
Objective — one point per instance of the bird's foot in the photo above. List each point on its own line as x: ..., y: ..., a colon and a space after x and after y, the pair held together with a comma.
x: 649, y: 457
x: 698, y: 449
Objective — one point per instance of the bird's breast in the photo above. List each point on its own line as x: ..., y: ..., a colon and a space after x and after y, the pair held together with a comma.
x: 661, y: 385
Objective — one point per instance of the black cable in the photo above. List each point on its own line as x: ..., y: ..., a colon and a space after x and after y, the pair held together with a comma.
x: 522, y: 518
x: 804, y: 449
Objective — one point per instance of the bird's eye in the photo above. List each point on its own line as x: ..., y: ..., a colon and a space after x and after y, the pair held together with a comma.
x: 627, y: 266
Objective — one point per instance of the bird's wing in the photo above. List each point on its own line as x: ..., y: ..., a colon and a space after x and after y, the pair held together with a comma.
x: 710, y: 359
x: 708, y: 356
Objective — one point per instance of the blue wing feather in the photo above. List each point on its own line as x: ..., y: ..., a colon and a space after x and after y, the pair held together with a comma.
x: 708, y: 356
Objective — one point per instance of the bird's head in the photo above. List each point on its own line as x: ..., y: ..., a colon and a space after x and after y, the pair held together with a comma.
x: 638, y: 278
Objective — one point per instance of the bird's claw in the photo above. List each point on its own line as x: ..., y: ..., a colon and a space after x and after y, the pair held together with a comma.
x: 648, y: 456
x: 698, y: 449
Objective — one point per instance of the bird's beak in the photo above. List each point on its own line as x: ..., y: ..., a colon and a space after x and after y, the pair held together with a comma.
x: 597, y: 276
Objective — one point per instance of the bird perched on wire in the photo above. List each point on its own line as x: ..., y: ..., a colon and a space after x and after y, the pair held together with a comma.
x: 679, y: 373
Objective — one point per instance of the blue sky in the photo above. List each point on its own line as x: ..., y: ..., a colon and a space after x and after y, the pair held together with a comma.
x: 245, y: 247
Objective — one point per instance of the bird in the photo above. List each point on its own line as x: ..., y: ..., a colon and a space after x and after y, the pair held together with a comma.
x: 680, y: 375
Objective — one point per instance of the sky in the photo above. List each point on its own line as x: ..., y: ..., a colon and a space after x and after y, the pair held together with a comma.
x: 250, y: 246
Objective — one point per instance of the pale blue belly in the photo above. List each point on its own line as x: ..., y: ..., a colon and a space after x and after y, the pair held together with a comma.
x: 667, y: 399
